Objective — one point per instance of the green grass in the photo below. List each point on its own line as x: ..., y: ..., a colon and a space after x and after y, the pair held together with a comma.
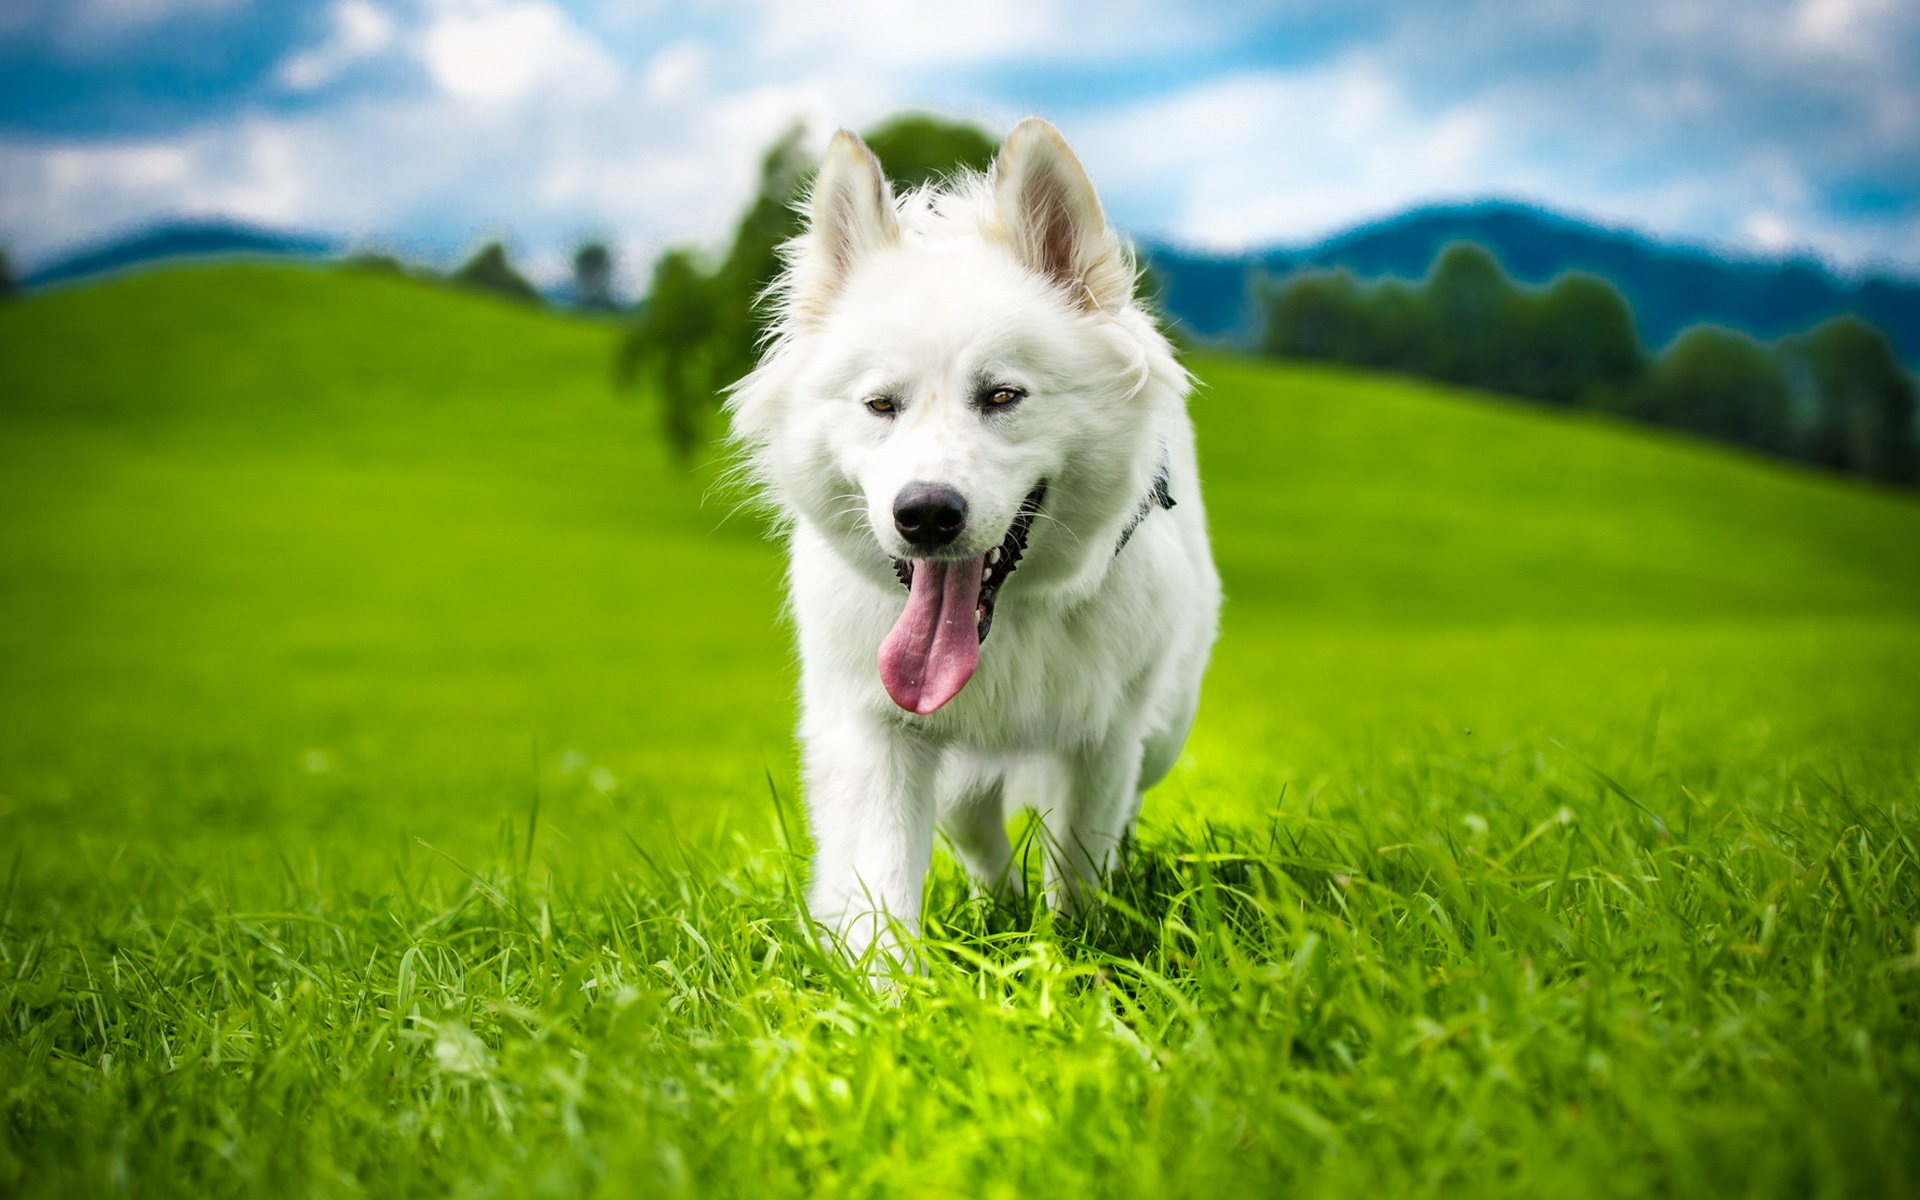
x: 386, y: 740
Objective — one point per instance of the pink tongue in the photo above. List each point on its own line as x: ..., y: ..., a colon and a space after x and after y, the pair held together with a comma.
x: 935, y: 645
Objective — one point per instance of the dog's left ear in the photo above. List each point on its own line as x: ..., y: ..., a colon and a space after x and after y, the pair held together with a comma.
x: 1048, y: 210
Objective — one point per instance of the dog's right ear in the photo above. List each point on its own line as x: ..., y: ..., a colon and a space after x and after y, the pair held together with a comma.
x: 851, y: 214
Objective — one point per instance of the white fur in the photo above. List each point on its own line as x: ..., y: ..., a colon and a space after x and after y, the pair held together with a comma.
x: 1089, y: 678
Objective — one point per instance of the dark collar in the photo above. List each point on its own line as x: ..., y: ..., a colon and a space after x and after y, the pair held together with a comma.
x: 1158, y: 497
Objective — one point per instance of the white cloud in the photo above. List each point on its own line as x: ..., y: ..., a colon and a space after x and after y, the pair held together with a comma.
x: 666, y: 154
x: 1291, y: 156
x: 1842, y: 28
x: 70, y: 174
x: 64, y: 194
x: 896, y: 37
x: 678, y: 72
x: 1636, y: 114
x: 360, y: 30
x: 1269, y: 156
x: 501, y: 53
x: 1768, y: 231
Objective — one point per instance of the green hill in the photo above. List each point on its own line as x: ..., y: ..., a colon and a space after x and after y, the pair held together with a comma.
x: 330, y: 539
x: 1548, y: 827
x: 260, y: 518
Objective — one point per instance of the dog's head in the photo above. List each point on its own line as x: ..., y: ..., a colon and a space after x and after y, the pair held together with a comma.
x: 960, y: 384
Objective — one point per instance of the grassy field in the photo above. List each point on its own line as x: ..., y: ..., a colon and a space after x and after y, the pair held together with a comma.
x: 393, y: 748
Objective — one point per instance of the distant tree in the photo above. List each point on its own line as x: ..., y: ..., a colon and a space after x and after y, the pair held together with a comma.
x: 1719, y: 383
x: 1322, y: 315
x: 489, y: 271
x: 753, y: 260
x: 376, y: 262
x: 1468, y: 323
x: 673, y: 334
x: 1578, y: 338
x: 1861, y: 401
x: 1401, y: 337
x: 593, y: 277
x: 918, y: 149
x: 7, y: 286
x: 698, y: 330
x: 1836, y: 396
x: 1469, y: 305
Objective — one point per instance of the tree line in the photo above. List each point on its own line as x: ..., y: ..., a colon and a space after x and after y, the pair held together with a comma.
x: 1835, y: 396
x: 490, y: 269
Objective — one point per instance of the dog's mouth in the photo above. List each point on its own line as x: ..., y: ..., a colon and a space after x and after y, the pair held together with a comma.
x: 934, y: 647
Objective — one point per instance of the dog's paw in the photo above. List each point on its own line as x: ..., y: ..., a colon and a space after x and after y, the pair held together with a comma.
x: 874, y: 944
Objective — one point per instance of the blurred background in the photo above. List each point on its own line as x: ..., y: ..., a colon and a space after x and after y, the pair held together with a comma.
x: 1749, y: 167
x: 359, y: 472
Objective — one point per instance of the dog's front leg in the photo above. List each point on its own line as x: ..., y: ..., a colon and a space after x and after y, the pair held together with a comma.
x: 871, y: 807
x: 1091, y: 819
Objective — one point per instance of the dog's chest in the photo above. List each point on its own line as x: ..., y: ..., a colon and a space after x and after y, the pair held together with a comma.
x: 1050, y: 674
x: 1049, y: 678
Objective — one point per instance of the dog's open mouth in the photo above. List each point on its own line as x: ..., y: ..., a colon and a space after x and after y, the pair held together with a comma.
x: 934, y: 647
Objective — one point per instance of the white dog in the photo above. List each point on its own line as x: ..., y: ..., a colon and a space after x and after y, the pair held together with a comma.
x: 971, y: 427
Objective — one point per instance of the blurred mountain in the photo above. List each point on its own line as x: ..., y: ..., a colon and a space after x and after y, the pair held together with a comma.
x: 175, y: 240
x: 1670, y: 286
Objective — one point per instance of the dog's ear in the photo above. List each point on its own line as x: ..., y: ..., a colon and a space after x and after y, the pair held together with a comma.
x: 850, y: 214
x: 1048, y: 210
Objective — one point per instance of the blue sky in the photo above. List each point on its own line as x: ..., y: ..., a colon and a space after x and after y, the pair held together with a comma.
x: 1763, y: 127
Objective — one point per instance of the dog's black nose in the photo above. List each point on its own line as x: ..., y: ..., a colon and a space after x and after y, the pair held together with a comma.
x: 929, y: 515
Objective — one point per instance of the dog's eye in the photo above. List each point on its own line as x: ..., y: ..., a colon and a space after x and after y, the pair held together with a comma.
x: 1002, y: 397
x: 882, y: 406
